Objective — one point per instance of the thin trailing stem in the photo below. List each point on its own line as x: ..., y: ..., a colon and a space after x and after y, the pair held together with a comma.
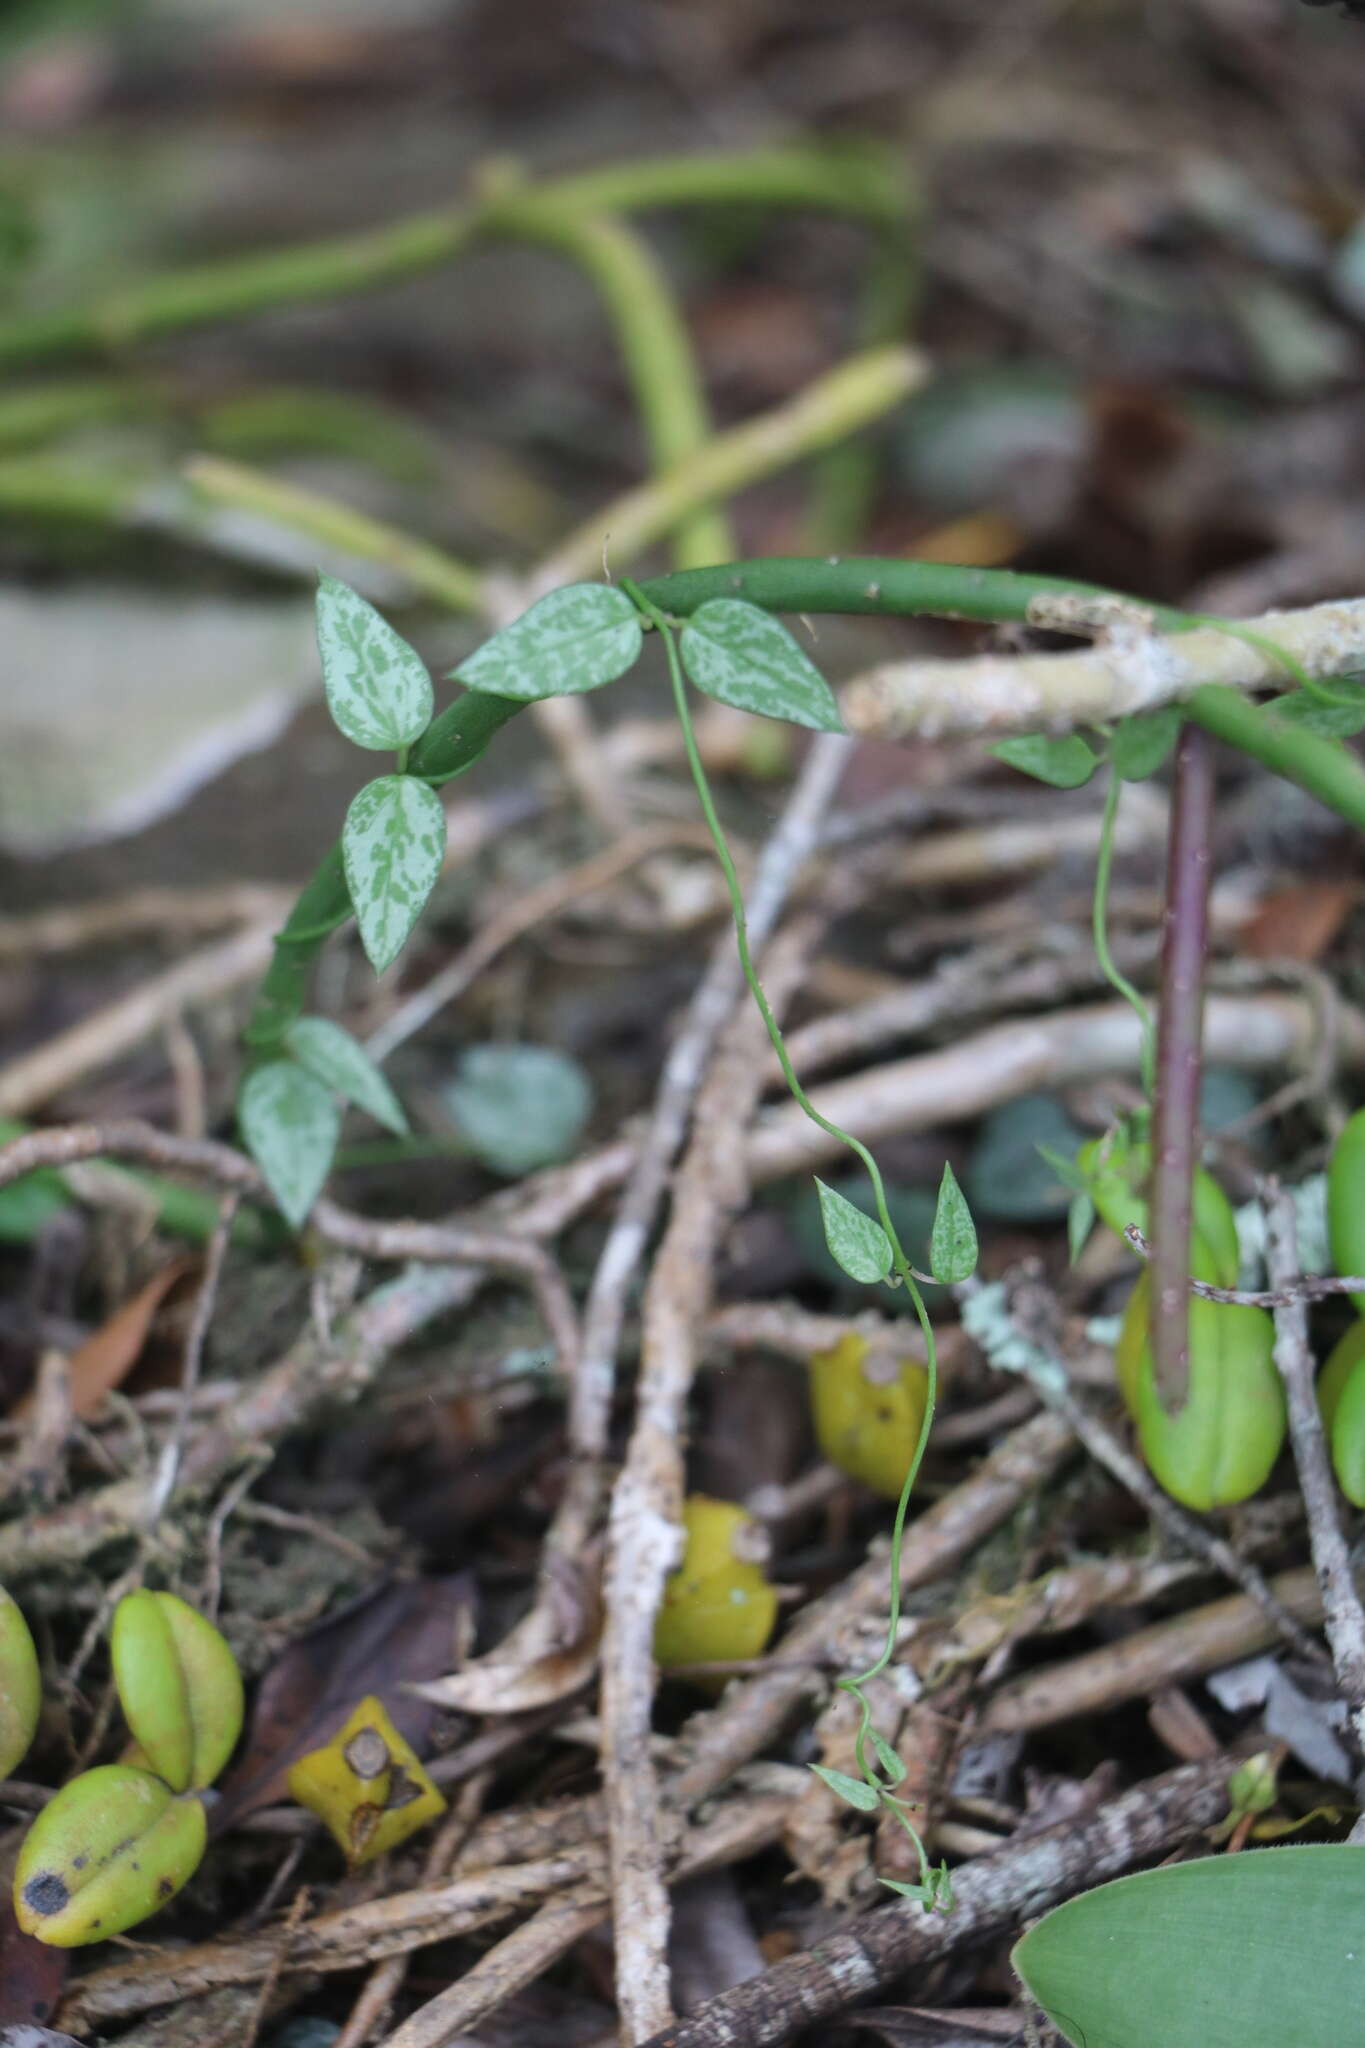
x: 934, y: 1885
x: 1099, y: 921
x: 1175, y: 1101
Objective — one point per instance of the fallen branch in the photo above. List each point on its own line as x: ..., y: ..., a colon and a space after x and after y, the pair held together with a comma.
x: 1130, y: 670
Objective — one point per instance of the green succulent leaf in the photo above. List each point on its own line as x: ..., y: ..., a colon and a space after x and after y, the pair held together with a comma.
x: 1248, y: 1951
x: 335, y: 1058
x: 857, y: 1243
x: 1064, y: 763
x: 574, y: 639
x: 290, y: 1124
x: 853, y: 1791
x: 21, y: 1686
x: 392, y: 846
x: 1140, y: 744
x: 108, y: 1850
x: 740, y: 654
x: 378, y: 689
x: 178, y: 1685
x: 952, y: 1242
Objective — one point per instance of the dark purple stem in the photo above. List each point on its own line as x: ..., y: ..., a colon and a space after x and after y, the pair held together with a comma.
x: 1175, y: 1111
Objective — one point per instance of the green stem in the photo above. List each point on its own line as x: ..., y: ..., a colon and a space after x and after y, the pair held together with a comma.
x: 902, y: 1265
x: 1099, y: 920
x: 1325, y: 768
x: 845, y: 181
x: 183, y: 1212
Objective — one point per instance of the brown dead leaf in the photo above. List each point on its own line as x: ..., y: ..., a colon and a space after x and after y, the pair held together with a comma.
x: 403, y: 1632
x: 1299, y: 922
x: 106, y: 1358
x: 547, y: 1656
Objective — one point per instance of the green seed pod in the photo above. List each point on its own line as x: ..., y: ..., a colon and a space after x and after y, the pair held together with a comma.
x: 1221, y: 1446
x: 1341, y: 1397
x: 719, y: 1605
x: 110, y: 1849
x: 179, y: 1685
x: 21, y: 1687
x: 1116, y: 1175
x: 1346, y: 1202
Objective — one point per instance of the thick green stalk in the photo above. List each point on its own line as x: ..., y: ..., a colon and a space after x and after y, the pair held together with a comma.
x: 868, y: 583
x: 1325, y: 768
x: 856, y: 182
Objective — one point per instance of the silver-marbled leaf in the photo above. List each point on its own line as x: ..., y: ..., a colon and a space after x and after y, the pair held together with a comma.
x: 743, y: 656
x: 290, y: 1122
x: 338, y: 1061
x: 392, y: 844
x: 574, y: 639
x: 378, y: 689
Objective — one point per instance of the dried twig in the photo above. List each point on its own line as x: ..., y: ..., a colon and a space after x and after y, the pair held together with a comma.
x: 1129, y: 671
x: 1303, y: 1287
x: 646, y: 1507
x: 34, y: 1077
x: 1343, y: 1617
x: 1165, y: 1653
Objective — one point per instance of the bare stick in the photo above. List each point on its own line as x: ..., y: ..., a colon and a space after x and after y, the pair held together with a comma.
x: 1128, y: 671
x: 643, y: 1541
x: 1343, y: 1617
x: 1175, y: 1109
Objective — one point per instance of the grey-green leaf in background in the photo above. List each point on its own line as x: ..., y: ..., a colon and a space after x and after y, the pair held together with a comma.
x: 520, y: 1107
x: 378, y: 689
x: 1011, y: 1173
x: 574, y: 639
x: 857, y: 1243
x: 290, y: 1123
x: 392, y: 846
x: 1261, y: 1950
x: 1064, y: 763
x: 743, y: 656
x: 1140, y: 744
x: 337, y: 1060
x: 952, y: 1242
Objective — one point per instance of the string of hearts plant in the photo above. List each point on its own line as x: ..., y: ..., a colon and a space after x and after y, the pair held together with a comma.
x: 719, y: 632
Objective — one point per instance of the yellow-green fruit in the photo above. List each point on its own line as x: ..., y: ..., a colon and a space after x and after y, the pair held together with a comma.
x: 111, y: 1847
x: 367, y: 1784
x: 1341, y: 1397
x: 179, y: 1686
x: 1221, y: 1446
x: 1116, y: 1176
x: 1346, y: 1203
x: 21, y: 1687
x: 718, y: 1606
x: 868, y: 1410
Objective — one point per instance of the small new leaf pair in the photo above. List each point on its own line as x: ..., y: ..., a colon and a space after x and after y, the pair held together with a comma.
x: 1137, y: 748
x: 290, y: 1117
x: 862, y: 1248
x: 118, y: 1841
x: 588, y: 634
